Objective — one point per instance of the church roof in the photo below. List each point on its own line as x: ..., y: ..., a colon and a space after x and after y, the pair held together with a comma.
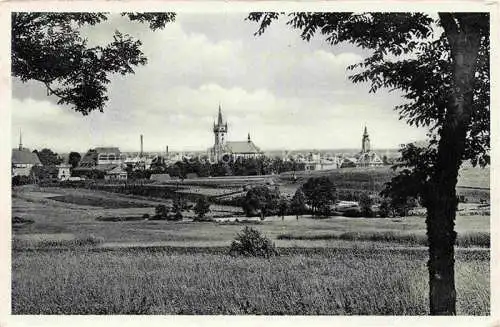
x: 24, y: 156
x: 242, y: 147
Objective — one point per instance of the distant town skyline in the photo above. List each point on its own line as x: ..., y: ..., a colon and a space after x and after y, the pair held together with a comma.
x: 287, y: 93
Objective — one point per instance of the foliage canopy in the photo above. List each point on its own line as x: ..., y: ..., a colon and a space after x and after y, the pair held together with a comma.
x: 49, y: 48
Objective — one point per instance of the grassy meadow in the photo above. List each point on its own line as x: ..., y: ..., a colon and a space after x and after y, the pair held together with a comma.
x: 324, y: 282
x: 55, y: 220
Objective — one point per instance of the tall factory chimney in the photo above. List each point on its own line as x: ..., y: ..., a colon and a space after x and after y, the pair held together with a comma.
x: 140, y: 155
x: 166, y: 151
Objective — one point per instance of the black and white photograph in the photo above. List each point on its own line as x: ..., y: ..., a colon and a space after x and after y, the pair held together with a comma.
x: 311, y: 162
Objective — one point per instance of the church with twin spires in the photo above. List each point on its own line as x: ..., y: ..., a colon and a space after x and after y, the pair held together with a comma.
x: 224, y: 150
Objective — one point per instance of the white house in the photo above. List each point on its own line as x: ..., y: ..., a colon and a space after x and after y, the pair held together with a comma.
x: 63, y: 172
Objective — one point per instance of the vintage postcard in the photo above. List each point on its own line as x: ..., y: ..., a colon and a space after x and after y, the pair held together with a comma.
x: 249, y: 163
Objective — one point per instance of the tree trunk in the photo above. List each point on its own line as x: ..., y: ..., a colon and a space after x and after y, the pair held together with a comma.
x: 441, y: 199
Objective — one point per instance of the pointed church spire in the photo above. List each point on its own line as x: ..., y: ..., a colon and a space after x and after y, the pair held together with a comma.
x: 248, y: 137
x: 219, y: 119
x: 20, y: 139
x: 365, y: 143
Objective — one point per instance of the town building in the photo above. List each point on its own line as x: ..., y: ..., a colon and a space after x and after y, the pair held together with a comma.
x: 109, y: 156
x: 63, y: 172
x: 317, y: 161
x: 99, y: 161
x: 365, y: 158
x: 23, y: 160
x: 368, y: 158
x: 224, y: 150
x: 117, y: 173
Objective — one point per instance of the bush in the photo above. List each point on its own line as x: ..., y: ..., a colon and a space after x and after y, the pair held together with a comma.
x: 251, y: 243
x: 20, y: 220
x: 19, y: 180
x: 180, y: 204
x: 161, y: 211
x: 385, y: 209
x: 145, y: 216
x: 178, y: 215
x: 201, y: 208
x: 365, y: 204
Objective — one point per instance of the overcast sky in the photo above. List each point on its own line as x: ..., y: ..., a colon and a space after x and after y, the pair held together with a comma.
x: 283, y: 91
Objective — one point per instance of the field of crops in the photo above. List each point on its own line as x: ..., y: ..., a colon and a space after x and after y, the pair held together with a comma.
x: 328, y: 282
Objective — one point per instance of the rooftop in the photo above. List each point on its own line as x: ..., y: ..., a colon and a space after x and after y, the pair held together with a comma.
x: 242, y: 147
x: 24, y: 156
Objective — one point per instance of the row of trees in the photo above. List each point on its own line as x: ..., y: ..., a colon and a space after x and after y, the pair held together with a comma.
x: 237, y: 167
x: 50, y: 158
x: 318, y: 196
x: 179, y: 205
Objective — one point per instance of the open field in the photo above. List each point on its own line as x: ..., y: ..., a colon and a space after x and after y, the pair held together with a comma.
x: 53, y: 218
x: 329, y: 282
x: 473, y: 183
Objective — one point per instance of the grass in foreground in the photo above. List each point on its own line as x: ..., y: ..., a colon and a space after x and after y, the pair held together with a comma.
x: 328, y: 282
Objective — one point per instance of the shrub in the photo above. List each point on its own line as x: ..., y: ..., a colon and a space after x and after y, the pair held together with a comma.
x: 385, y: 209
x: 20, y: 220
x: 178, y: 215
x: 180, y: 204
x: 161, y: 211
x: 365, y: 203
x: 145, y: 216
x: 21, y: 180
x: 201, y: 208
x: 251, y: 243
